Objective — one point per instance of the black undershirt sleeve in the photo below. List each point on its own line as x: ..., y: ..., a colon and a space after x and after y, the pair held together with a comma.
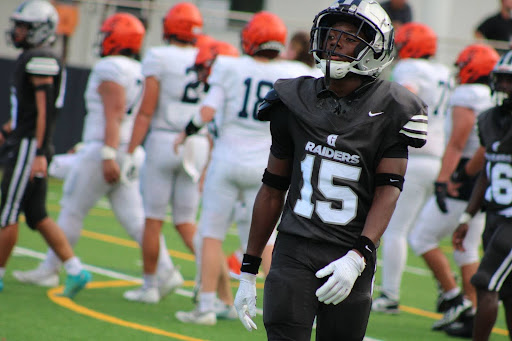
x: 282, y: 143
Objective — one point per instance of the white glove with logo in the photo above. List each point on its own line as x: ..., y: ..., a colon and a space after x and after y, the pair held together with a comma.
x: 344, y: 272
x: 129, y: 169
x: 245, y: 300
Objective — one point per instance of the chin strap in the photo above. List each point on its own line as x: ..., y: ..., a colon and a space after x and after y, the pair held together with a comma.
x: 328, y: 70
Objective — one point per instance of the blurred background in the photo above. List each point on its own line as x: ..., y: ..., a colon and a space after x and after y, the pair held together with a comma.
x: 453, y: 20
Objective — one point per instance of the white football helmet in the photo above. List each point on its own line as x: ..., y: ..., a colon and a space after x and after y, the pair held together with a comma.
x: 502, y: 90
x: 41, y: 18
x: 372, y: 56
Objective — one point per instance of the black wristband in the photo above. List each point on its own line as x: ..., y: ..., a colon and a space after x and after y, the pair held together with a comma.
x: 40, y: 152
x: 365, y: 246
x: 250, y: 264
x: 191, y: 128
x: 460, y: 175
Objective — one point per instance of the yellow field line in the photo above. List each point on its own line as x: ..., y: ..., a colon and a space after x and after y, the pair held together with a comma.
x: 189, y: 257
x: 130, y: 243
x: 436, y: 316
x: 65, y: 302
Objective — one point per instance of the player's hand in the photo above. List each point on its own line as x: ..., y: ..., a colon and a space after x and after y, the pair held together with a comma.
x: 111, y: 171
x: 441, y: 192
x: 458, y: 237
x: 179, y: 141
x: 39, y: 167
x: 344, y: 273
x: 129, y: 169
x: 245, y: 300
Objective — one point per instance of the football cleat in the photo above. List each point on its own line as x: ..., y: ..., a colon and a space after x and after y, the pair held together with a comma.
x: 76, y: 283
x: 463, y: 327
x: 225, y: 311
x: 207, y: 318
x: 386, y: 305
x: 39, y: 276
x: 143, y: 294
x: 169, y: 282
x: 461, y: 305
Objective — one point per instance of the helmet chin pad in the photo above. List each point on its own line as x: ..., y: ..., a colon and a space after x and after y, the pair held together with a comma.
x: 337, y: 69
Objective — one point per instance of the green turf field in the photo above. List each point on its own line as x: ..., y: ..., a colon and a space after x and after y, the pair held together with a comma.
x: 100, y: 312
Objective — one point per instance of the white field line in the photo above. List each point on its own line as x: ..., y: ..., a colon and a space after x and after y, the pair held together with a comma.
x: 21, y: 251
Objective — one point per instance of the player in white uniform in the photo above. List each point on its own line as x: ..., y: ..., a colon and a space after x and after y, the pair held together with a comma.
x: 169, y: 101
x: 438, y: 218
x: 113, y: 93
x: 416, y: 44
x: 237, y: 86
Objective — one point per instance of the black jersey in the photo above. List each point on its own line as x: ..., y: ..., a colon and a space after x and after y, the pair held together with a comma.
x: 495, y: 132
x: 336, y: 145
x: 40, y: 61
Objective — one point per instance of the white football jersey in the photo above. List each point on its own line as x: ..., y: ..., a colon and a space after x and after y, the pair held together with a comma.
x: 432, y: 82
x: 179, y: 90
x: 476, y: 97
x: 125, y: 72
x: 244, y: 82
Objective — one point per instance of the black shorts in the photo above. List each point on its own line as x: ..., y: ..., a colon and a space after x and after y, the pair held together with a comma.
x: 290, y: 304
x: 19, y: 193
x: 494, y: 272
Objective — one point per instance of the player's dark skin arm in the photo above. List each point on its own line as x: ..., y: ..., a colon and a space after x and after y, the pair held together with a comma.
x: 384, y: 200
x: 474, y: 204
x: 267, y: 208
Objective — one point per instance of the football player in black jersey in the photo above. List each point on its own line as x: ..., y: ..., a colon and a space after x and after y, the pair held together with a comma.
x: 339, y: 147
x: 27, y: 138
x: 493, y: 190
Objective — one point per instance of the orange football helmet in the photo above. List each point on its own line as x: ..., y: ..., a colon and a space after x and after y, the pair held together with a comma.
x: 183, y: 22
x: 415, y: 40
x: 122, y: 32
x: 203, y: 40
x: 476, y: 61
x: 207, y: 54
x: 265, y: 31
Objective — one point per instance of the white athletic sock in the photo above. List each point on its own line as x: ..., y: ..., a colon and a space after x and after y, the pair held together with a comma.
x: 73, y: 266
x: 206, y: 301
x: 2, y: 273
x: 451, y: 293
x: 150, y: 281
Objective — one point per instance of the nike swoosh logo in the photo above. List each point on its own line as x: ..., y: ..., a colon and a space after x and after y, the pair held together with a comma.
x: 391, y: 180
x: 371, y: 114
x: 246, y: 263
x: 367, y: 248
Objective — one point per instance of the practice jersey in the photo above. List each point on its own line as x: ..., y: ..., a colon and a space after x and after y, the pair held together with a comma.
x: 495, y: 132
x: 41, y: 61
x: 476, y: 97
x: 245, y: 81
x: 431, y: 82
x: 179, y: 89
x: 336, y: 145
x: 124, y: 71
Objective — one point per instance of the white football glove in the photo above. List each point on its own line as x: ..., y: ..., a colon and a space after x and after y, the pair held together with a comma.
x: 129, y: 169
x: 344, y: 272
x: 245, y: 300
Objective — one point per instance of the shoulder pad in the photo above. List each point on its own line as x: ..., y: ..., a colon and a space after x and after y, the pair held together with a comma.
x: 44, y: 66
x: 264, y: 109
